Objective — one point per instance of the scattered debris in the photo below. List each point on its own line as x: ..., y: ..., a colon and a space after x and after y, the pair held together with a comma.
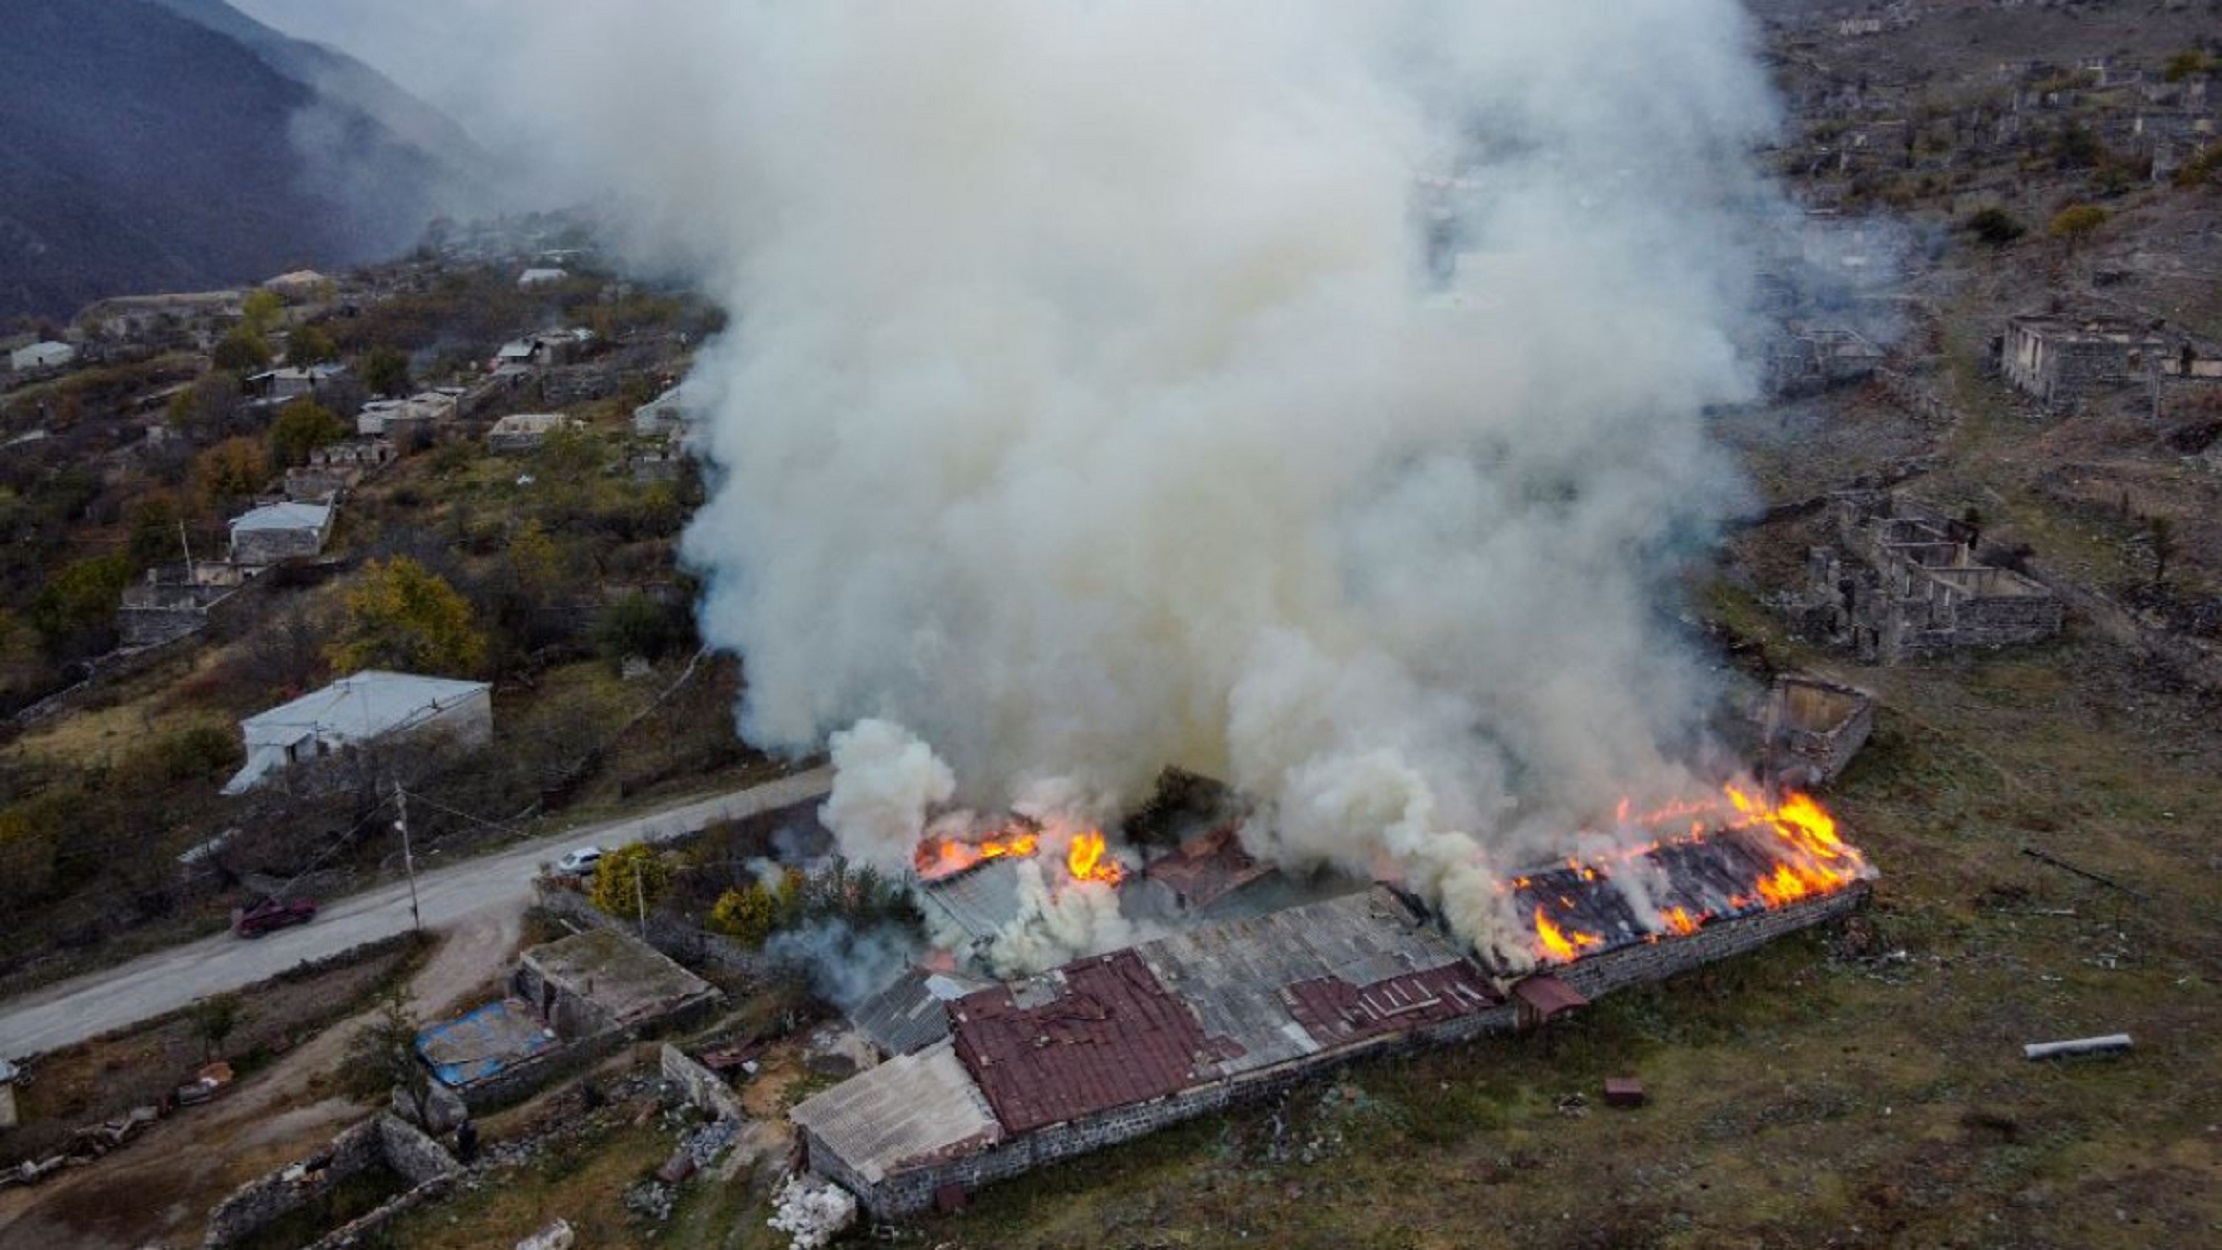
x: 812, y: 1212
x: 2112, y: 1043
x: 556, y: 1236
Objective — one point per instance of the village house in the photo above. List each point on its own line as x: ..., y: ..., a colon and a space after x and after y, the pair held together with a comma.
x: 568, y: 1002
x: 525, y: 431
x: 293, y: 382
x: 406, y: 420
x: 541, y: 277
x: 298, y: 286
x: 337, y: 467
x: 669, y: 413
x: 41, y: 357
x: 280, y: 531
x: 368, y: 707
x: 2062, y: 360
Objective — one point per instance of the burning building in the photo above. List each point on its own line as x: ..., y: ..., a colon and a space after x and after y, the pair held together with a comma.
x: 1113, y: 1046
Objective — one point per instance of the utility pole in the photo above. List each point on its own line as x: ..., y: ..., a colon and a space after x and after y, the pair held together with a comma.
x: 408, y: 859
x: 640, y: 895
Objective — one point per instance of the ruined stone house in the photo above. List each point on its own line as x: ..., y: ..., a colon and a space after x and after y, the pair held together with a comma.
x: 174, y: 600
x: 1904, y: 584
x: 336, y: 468
x: 1811, y: 727
x: 2062, y: 360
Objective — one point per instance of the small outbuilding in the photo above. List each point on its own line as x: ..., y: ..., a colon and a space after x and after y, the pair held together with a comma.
x: 525, y: 431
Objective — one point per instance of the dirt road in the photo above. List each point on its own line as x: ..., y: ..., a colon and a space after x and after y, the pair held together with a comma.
x: 159, y: 1189
x: 97, y: 1002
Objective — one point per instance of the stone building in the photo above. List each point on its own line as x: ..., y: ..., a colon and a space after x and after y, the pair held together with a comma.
x: 525, y: 431
x: 174, y: 600
x: 1112, y: 1047
x: 336, y: 468
x: 395, y: 1158
x: 280, y: 531
x: 403, y: 420
x: 1811, y: 728
x: 1910, y: 586
x: 2062, y: 360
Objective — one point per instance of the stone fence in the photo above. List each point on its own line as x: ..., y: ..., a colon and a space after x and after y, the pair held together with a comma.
x: 425, y: 1169
x: 702, y: 1087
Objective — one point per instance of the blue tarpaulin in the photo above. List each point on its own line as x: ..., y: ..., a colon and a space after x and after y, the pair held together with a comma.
x: 483, y: 1041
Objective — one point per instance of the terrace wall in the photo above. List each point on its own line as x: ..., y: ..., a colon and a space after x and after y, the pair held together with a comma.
x: 423, y: 1166
x: 912, y: 1189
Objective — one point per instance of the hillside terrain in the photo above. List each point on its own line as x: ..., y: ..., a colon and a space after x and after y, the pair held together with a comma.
x: 149, y: 150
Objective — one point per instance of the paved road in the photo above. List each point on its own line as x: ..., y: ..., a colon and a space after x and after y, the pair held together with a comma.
x: 74, y: 1010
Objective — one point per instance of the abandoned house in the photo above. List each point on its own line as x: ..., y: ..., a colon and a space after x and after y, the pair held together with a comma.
x: 1811, y: 728
x: 280, y: 531
x: 404, y: 419
x: 394, y: 1160
x: 569, y: 1002
x: 1806, y: 360
x: 525, y: 431
x: 337, y: 467
x: 1911, y: 586
x: 1112, y: 1047
x: 2062, y: 360
x: 370, y: 706
x: 173, y: 600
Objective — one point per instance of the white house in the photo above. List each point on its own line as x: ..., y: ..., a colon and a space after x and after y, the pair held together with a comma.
x: 46, y: 355
x: 539, y: 277
x: 367, y: 707
x: 669, y: 412
x: 292, y: 382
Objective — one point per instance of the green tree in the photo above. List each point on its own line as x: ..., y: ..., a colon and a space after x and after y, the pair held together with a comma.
x: 310, y: 345
x: 76, y: 611
x: 382, y: 1056
x: 745, y: 915
x: 2076, y: 222
x: 402, y: 615
x: 214, y: 1018
x: 2186, y: 63
x: 301, y: 427
x: 230, y: 473
x: 261, y: 311
x: 628, y: 879
x: 1995, y: 226
x: 204, y: 410
x: 155, y: 517
x: 386, y: 371
x: 638, y: 625
x: 241, y: 351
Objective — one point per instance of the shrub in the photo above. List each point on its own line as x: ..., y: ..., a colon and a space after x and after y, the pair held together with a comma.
x: 1995, y: 226
x: 628, y: 879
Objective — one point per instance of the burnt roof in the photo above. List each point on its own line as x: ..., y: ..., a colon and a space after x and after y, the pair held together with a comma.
x: 1548, y: 995
x: 1111, y: 1035
x: 1205, y: 869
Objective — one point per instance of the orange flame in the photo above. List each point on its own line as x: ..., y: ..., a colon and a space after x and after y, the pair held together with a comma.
x: 1799, y: 836
x: 1559, y: 945
x: 1085, y: 860
x: 942, y: 857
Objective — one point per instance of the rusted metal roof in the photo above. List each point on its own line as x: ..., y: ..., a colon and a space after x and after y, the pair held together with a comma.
x: 1110, y: 1036
x: 1548, y: 995
x: 1205, y: 869
x: 1334, y: 1011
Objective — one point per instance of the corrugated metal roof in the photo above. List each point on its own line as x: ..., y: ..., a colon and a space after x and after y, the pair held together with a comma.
x: 912, y: 1012
x: 909, y: 1110
x: 361, y: 706
x: 1111, y: 1036
x: 284, y: 516
x: 983, y: 900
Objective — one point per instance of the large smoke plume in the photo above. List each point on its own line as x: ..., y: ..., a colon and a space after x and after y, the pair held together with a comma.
x: 1102, y: 397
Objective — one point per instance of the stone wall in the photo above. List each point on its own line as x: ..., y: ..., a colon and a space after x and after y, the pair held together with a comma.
x: 912, y: 1190
x: 695, y: 947
x: 521, y: 1080
x: 703, y: 1088
x: 269, y: 546
x: 260, y: 1201
x: 2007, y: 620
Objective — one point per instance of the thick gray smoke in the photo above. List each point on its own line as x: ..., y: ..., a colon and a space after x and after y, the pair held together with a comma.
x: 1104, y: 394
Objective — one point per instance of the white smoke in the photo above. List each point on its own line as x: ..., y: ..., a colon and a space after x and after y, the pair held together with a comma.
x: 1091, y: 407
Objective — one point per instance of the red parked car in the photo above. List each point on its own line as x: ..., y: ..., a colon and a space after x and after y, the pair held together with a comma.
x: 273, y: 913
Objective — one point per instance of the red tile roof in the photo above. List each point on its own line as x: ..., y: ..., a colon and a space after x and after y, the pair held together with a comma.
x: 1112, y: 1037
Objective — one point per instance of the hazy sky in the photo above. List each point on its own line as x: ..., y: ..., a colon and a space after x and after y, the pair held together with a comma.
x: 429, y: 49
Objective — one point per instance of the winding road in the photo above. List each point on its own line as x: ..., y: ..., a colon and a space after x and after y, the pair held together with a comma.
x: 97, y: 1002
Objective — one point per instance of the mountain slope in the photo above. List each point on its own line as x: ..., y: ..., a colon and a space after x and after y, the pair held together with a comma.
x: 146, y: 151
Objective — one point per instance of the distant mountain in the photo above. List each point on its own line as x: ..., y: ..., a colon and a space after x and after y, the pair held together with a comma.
x: 151, y: 145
